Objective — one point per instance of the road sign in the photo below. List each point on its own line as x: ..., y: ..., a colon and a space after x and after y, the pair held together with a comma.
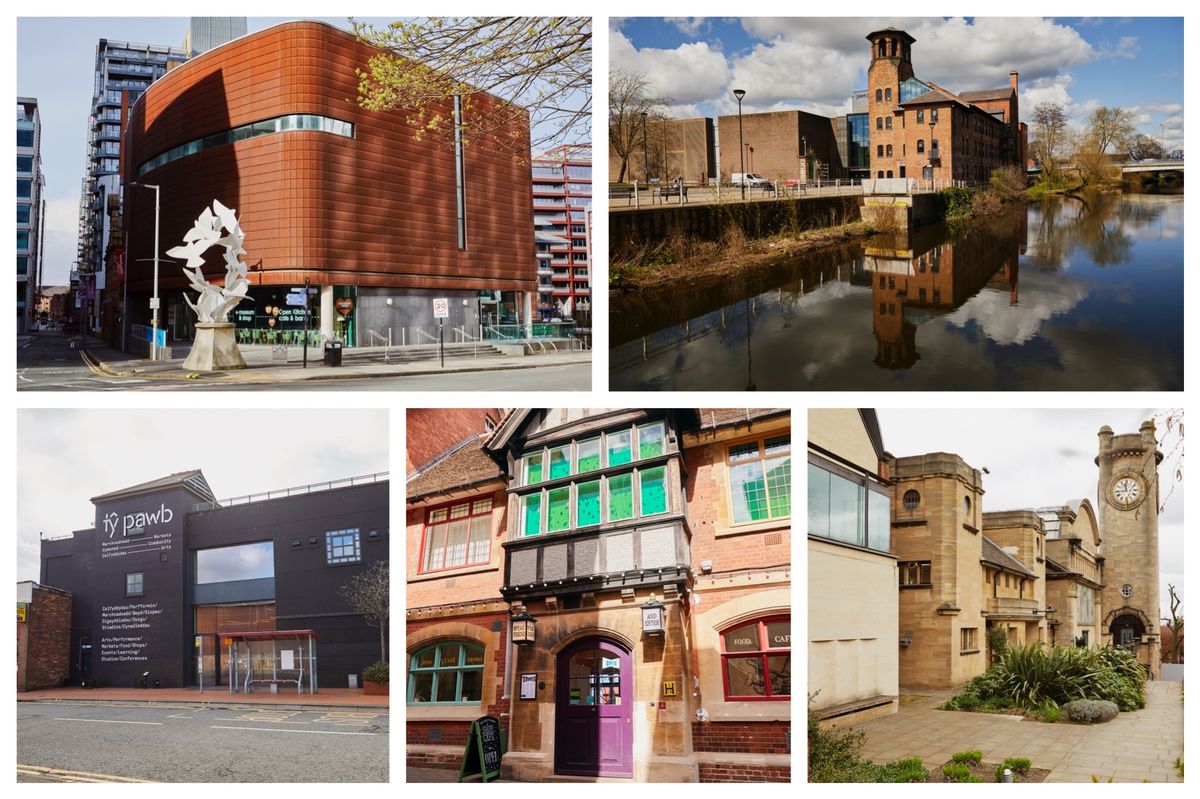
x: 154, y: 303
x: 297, y: 299
x: 441, y: 308
x: 21, y: 611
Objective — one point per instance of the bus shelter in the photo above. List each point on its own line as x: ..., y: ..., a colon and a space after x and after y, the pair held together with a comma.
x: 271, y: 658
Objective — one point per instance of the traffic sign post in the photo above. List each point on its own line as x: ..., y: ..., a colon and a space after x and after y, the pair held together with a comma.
x: 441, y: 312
x: 308, y: 292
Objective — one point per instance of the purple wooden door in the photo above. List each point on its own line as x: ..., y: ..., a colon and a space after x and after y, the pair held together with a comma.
x: 593, y: 726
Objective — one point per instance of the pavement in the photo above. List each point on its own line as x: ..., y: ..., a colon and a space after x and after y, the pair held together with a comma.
x: 1138, y: 746
x: 218, y: 696
x: 52, y: 361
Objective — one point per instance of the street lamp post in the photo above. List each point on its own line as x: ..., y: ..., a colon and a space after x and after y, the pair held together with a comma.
x: 931, y: 124
x: 154, y: 303
x: 739, y: 94
x: 645, y: 151
x: 804, y: 141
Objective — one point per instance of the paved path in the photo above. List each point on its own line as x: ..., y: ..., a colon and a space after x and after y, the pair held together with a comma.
x: 344, y: 698
x: 1137, y: 746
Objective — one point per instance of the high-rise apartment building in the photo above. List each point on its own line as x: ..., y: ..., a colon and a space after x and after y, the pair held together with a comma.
x: 205, y: 33
x: 123, y: 72
x: 29, y: 208
x: 562, y: 202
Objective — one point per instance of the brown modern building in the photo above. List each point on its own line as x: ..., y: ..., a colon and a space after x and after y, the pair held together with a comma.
x: 781, y: 146
x: 921, y: 130
x: 379, y: 214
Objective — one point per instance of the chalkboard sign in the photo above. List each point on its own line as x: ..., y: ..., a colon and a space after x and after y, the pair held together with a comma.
x: 482, y: 756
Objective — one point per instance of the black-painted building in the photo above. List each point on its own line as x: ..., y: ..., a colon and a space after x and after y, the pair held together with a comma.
x: 167, y: 569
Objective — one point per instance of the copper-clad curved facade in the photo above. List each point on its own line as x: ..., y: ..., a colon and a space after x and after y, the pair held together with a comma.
x: 377, y: 211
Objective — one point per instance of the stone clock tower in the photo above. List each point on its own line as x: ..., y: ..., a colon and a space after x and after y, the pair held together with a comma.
x: 891, y: 65
x: 1128, y: 504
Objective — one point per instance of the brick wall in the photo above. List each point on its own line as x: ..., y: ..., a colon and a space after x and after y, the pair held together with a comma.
x: 761, y: 737
x: 744, y: 772
x: 44, y: 641
x: 432, y: 431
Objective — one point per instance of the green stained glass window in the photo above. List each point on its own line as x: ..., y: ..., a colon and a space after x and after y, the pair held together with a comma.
x: 779, y: 486
x: 654, y: 491
x: 650, y: 440
x: 533, y: 468
x: 749, y: 491
x: 588, y: 453
x: 620, y: 497
x: 760, y: 479
x: 620, y: 447
x: 558, y: 509
x: 533, y: 514
x: 587, y: 508
x: 560, y: 462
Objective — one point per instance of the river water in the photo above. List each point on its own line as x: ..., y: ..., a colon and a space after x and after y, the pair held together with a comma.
x: 1061, y: 295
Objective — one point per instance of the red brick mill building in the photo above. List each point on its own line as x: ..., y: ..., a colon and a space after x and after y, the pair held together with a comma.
x: 648, y: 549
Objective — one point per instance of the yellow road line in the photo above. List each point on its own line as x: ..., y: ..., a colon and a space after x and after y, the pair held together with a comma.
x: 74, y: 776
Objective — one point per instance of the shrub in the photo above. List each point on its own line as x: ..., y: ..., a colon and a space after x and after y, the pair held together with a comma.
x: 833, y: 754
x: 1008, y: 182
x: 376, y: 672
x: 971, y: 756
x: 910, y: 769
x: 1019, y: 765
x: 1049, y: 713
x: 957, y: 772
x: 1091, y: 711
x: 958, y: 200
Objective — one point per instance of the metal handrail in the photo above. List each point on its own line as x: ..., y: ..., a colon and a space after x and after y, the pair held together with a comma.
x: 294, y: 491
x: 387, y: 343
x: 429, y: 336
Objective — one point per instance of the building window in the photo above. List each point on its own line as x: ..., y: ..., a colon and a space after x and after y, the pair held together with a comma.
x: 587, y: 455
x: 24, y: 137
x: 760, y: 479
x: 846, y: 507
x: 878, y: 123
x: 654, y: 490
x: 933, y: 115
x: 920, y: 116
x: 888, y: 123
x: 650, y: 440
x: 887, y: 94
x: 968, y: 640
x: 889, y: 151
x: 458, y: 535
x: 445, y: 674
x: 933, y: 146
x: 460, y: 178
x: 560, y: 462
x: 24, y: 163
x: 230, y: 564
x: 915, y: 572
x: 134, y: 584
x: 879, y: 95
x: 967, y: 506
x: 620, y: 447
x: 911, y: 499
x: 23, y: 213
x: 342, y: 546
x: 533, y: 468
x: 920, y: 145
x: 22, y: 239
x: 756, y: 660
x: 880, y: 152
x: 24, y: 188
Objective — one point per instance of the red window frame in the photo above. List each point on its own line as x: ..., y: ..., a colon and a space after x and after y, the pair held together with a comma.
x: 762, y: 652
x: 470, y: 503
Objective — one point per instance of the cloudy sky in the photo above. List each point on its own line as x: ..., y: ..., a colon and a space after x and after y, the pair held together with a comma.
x: 815, y: 63
x: 68, y: 456
x: 1043, y: 457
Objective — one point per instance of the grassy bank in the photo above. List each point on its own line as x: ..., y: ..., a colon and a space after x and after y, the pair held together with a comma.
x: 680, y: 261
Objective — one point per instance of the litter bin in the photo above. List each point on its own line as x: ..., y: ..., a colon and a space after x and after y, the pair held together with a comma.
x: 333, y: 353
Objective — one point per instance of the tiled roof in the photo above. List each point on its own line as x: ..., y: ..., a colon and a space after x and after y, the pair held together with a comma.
x: 192, y: 479
x: 932, y: 96
x: 998, y: 557
x: 465, y: 467
x: 1002, y: 93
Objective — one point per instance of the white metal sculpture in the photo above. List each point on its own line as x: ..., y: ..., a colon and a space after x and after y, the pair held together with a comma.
x: 217, y: 225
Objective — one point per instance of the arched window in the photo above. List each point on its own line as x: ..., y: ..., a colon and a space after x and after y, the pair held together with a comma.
x: 888, y: 123
x: 756, y: 659
x: 920, y: 145
x: 889, y: 151
x: 879, y: 95
x: 887, y: 94
x: 913, y: 498
x: 447, y: 673
x: 878, y: 123
x: 880, y: 147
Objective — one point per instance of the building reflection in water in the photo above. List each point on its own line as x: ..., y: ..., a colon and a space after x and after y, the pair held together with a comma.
x: 916, y: 276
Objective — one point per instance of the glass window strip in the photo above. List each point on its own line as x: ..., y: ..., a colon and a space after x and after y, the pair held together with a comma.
x: 459, y: 174
x: 262, y: 127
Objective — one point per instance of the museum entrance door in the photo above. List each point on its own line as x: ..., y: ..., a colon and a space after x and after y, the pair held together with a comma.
x: 593, y: 724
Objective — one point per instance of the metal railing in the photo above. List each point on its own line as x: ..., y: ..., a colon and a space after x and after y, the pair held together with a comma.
x: 387, y: 343
x: 295, y: 491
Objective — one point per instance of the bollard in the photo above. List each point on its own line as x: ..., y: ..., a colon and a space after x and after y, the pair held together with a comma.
x: 1007, y: 777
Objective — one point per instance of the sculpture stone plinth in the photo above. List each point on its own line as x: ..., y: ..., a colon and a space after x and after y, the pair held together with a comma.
x: 215, y: 349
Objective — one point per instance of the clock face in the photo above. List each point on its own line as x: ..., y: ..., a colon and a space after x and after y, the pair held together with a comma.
x: 1126, y: 491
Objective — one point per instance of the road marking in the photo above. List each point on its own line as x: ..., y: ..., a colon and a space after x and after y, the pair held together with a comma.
x: 276, y: 729
x: 73, y: 776
x: 114, y: 721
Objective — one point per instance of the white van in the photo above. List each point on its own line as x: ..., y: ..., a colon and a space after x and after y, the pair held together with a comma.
x: 752, y: 180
